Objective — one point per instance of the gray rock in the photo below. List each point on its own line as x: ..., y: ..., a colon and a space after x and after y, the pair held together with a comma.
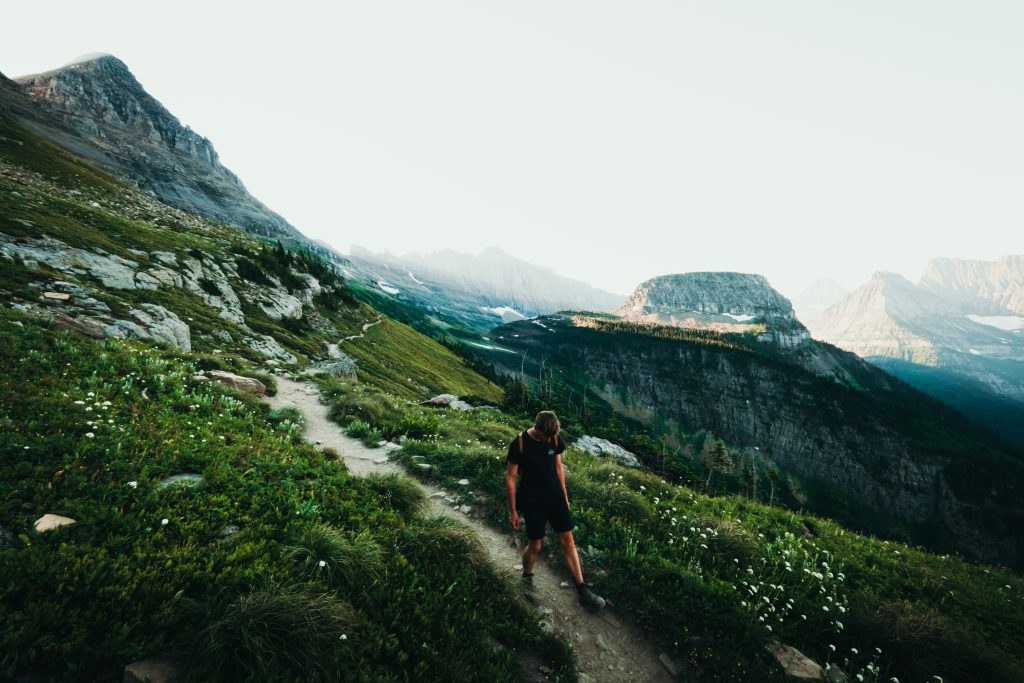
x: 162, y: 325
x: 448, y: 401
x: 56, y: 296
x: 268, y: 346
x: 113, y: 271
x: 48, y: 522
x: 246, y: 384
x: 83, y: 327
x: 603, y: 447
x: 795, y: 663
x: 154, y: 670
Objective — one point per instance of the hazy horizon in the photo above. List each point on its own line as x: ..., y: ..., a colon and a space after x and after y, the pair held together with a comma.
x: 611, y: 144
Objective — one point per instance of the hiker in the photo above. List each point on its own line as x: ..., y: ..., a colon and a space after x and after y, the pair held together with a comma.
x: 535, y: 456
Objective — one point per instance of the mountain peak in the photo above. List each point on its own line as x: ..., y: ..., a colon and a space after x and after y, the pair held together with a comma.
x: 94, y: 107
x: 93, y: 57
x: 722, y: 301
x: 711, y: 292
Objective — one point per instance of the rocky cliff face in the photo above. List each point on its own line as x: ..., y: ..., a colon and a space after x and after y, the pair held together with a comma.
x: 724, y: 302
x: 95, y: 108
x: 979, y: 287
x: 881, y: 444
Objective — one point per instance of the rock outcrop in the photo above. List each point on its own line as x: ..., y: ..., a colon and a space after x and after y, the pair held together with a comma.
x: 723, y: 302
x: 247, y: 384
x: 605, y: 448
x: 95, y: 108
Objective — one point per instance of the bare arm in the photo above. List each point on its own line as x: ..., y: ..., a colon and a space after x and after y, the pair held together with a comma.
x: 561, y: 477
x: 510, y: 485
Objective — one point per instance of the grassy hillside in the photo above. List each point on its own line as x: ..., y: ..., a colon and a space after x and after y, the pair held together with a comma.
x: 276, y: 564
x: 715, y: 578
x: 406, y: 363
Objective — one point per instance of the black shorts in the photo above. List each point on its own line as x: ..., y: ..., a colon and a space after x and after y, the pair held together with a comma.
x: 539, y: 512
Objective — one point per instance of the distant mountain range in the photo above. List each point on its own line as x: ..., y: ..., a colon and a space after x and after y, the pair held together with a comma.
x: 957, y: 334
x: 475, y: 291
x: 96, y: 109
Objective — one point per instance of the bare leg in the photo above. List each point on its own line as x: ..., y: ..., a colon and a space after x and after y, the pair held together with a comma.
x: 572, y: 558
x: 530, y: 555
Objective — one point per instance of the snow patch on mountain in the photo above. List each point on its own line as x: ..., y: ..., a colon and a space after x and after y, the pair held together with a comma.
x: 506, y: 313
x: 1009, y: 323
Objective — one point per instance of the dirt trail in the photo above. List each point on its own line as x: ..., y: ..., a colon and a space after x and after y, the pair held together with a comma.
x: 607, y: 649
x: 366, y: 326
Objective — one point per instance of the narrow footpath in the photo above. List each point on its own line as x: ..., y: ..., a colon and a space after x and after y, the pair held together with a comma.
x: 607, y: 648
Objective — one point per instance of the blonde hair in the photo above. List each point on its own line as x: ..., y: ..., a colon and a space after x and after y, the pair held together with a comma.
x: 547, y: 423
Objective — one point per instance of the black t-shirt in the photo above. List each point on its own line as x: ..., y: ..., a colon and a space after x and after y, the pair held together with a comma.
x: 538, y: 478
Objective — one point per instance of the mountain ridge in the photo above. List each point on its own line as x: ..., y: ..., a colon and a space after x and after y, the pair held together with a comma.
x: 95, y: 108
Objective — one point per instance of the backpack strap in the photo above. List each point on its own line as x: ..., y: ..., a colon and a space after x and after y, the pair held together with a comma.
x: 520, y: 443
x: 556, y: 442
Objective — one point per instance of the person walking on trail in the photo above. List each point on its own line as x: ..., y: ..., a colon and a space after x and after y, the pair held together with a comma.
x: 535, y: 456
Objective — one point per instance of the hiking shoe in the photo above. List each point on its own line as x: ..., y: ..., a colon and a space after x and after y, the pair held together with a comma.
x: 589, y: 598
x: 528, y: 581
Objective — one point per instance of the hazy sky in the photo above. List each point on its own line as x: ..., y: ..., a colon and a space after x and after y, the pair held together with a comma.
x: 612, y: 141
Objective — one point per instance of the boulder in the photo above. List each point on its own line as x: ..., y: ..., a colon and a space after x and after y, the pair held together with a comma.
x: 154, y: 670
x: 56, y: 296
x: 603, y: 447
x: 150, y: 321
x: 268, y: 346
x: 48, y: 522
x: 796, y: 664
x: 246, y: 384
x: 79, y: 326
x: 447, y: 401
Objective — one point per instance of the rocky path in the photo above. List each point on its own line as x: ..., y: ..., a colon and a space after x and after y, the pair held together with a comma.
x: 607, y: 649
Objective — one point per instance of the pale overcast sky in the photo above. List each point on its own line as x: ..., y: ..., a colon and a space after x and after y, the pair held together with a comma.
x: 612, y: 141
